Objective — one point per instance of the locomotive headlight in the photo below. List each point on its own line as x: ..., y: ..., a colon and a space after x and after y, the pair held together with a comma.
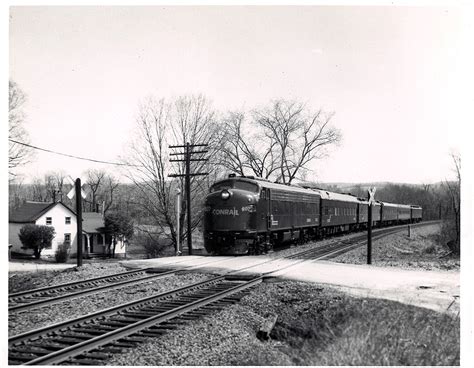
x: 225, y: 195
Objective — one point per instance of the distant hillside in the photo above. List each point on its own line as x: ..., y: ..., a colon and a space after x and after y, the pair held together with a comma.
x: 345, y: 186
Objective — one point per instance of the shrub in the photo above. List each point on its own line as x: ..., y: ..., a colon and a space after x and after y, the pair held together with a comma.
x: 36, y: 237
x: 153, y: 244
x: 62, y: 253
x: 430, y: 249
x: 117, y: 226
x: 448, y: 237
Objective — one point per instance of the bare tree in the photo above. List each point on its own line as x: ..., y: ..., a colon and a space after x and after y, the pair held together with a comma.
x: 94, y: 179
x: 50, y: 187
x: 300, y: 135
x: 38, y: 190
x: 54, y: 185
x: 278, y: 141
x: 18, y: 154
x: 454, y: 190
x: 245, y: 152
x: 160, y: 124
x: 59, y: 177
x: 16, y: 193
x: 148, y: 162
x: 109, y: 189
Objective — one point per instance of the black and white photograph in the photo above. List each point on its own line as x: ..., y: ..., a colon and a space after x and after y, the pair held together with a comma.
x: 238, y: 184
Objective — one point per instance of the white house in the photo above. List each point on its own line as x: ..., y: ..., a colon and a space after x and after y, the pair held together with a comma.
x: 64, y: 221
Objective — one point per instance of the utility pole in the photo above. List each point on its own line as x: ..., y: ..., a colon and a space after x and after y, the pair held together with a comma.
x: 187, y: 175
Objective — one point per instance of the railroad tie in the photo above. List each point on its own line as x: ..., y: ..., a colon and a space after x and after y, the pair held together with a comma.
x: 86, y: 361
x: 111, y: 349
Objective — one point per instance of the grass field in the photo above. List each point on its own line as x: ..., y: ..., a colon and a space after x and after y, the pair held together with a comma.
x: 341, y: 330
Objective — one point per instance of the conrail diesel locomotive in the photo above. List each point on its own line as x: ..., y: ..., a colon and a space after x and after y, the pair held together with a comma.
x: 247, y: 215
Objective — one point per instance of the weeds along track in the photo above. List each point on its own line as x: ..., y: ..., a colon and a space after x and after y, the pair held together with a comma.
x: 91, y: 339
x: 28, y: 299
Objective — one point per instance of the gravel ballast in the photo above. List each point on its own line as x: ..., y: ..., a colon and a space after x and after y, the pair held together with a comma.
x: 20, y: 281
x: 420, y: 251
x: 47, y: 315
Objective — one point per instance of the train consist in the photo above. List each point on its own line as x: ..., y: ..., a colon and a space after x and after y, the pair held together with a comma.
x: 245, y: 215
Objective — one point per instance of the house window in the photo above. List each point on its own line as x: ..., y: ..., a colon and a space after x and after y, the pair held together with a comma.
x: 68, y: 221
x: 67, y: 238
x: 49, y: 220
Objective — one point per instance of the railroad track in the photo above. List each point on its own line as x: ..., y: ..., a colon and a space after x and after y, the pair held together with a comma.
x: 28, y: 299
x: 340, y: 246
x: 91, y: 339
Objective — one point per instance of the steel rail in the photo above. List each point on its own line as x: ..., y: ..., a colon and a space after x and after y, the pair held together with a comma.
x: 116, y: 334
x: 356, y: 245
x: 54, y: 299
x: 381, y: 232
x: 74, y: 283
x: 336, y: 244
x: 18, y: 307
x: 107, y: 312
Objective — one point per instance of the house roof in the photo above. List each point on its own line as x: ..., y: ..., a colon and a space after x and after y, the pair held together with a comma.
x: 31, y: 211
x: 92, y: 222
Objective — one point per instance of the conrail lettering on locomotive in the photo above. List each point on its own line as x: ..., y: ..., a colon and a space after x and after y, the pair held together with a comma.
x: 225, y: 212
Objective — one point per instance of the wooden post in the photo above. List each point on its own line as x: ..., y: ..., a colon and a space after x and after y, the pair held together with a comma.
x: 178, y: 205
x: 188, y: 198
x: 409, y: 231
x: 79, y: 221
x: 371, y: 200
x: 369, y: 235
x: 267, y: 327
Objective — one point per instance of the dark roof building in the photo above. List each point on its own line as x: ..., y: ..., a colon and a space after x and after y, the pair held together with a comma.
x: 29, y: 212
x: 92, y: 222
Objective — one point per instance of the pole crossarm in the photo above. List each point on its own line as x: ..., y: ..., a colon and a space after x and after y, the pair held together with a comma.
x: 182, y: 175
x: 183, y: 153
x: 190, y: 145
x: 191, y: 159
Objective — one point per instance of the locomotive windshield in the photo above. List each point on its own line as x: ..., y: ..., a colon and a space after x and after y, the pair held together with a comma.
x: 235, y: 184
x: 220, y: 186
x: 250, y: 187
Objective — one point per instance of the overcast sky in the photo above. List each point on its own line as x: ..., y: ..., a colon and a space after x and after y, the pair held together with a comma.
x: 390, y: 74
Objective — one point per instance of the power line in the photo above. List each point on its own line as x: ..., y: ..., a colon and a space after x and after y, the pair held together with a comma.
x: 72, y: 156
